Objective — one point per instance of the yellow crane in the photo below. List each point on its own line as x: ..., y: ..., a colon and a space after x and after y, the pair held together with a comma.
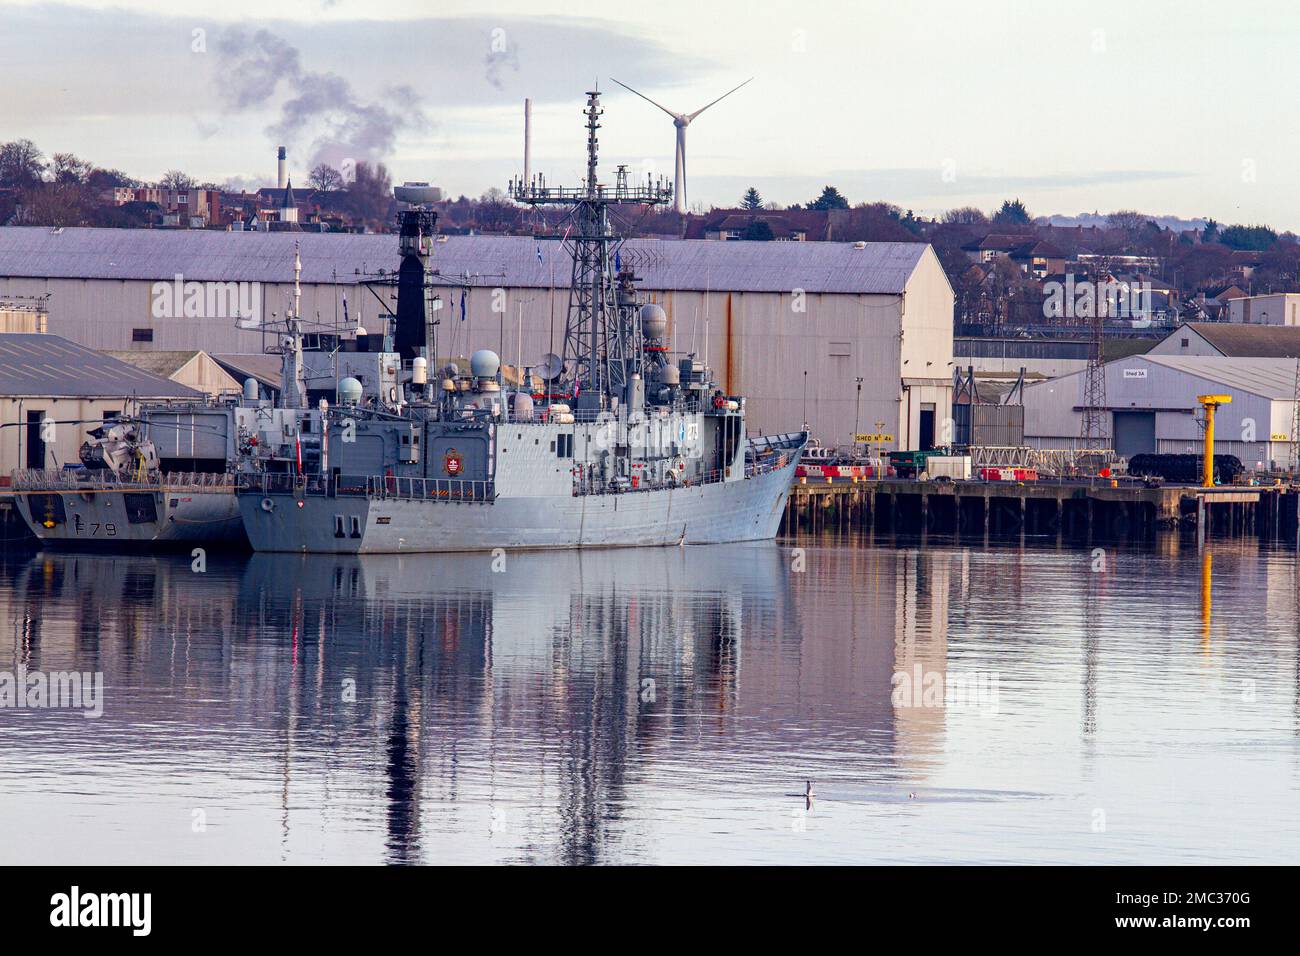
x: 1210, y: 403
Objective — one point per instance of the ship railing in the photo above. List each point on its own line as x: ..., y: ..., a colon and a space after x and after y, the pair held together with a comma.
x: 592, y: 485
x: 430, y: 489
x: 103, y: 480
x: 370, y: 486
x: 586, y: 416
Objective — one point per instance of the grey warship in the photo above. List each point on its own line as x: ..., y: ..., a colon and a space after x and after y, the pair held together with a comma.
x: 617, y: 443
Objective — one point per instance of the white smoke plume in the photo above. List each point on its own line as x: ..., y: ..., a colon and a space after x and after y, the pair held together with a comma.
x: 319, y: 108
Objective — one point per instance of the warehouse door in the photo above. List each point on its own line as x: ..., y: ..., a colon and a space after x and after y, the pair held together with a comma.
x: 927, y: 426
x: 1135, y: 433
x: 35, y: 440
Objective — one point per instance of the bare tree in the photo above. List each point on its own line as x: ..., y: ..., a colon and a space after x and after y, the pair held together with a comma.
x: 325, y: 178
x: 496, y: 213
x: 370, y: 193
x: 67, y: 168
x: 965, y: 216
x: 177, y: 180
x: 21, y: 163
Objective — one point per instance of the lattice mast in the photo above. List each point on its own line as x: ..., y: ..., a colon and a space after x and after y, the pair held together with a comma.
x: 602, y: 342
x: 1092, y: 431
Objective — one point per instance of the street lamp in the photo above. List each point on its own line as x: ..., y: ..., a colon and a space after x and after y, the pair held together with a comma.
x: 857, y: 412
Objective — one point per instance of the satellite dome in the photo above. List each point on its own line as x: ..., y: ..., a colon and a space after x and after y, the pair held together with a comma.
x: 484, y: 364
x: 361, y: 330
x: 350, y: 391
x: 654, y: 321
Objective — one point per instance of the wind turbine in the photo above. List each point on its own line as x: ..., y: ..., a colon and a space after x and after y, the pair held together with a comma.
x: 681, y: 121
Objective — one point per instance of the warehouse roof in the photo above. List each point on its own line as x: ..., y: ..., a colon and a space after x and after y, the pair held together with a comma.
x: 1273, y: 378
x: 209, y: 255
x: 1249, y: 341
x: 265, y: 368
x: 35, y: 365
x: 162, y: 362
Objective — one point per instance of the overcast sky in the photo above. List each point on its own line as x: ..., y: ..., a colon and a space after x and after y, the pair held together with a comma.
x: 1178, y: 107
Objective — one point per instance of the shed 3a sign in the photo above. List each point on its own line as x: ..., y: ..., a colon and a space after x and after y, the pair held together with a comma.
x: 1135, y: 373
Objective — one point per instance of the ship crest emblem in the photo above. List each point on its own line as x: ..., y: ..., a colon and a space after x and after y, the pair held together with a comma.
x: 452, y: 462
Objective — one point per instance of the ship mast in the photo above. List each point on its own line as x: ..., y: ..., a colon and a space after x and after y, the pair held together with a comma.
x: 293, y: 393
x: 602, y: 348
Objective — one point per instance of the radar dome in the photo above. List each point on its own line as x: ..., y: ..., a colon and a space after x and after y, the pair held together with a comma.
x: 349, y: 391
x: 484, y: 364
x: 654, y: 321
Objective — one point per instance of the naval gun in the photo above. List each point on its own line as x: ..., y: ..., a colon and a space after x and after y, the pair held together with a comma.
x: 121, y: 449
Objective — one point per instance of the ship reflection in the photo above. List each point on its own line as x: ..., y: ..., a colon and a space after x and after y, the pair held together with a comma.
x: 528, y: 702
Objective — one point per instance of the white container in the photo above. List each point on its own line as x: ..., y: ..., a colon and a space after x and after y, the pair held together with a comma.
x: 949, y: 466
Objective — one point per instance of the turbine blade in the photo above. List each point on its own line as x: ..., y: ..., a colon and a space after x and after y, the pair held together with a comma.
x: 718, y: 100
x: 646, y: 98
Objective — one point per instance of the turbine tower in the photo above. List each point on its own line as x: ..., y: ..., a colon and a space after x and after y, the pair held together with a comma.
x: 681, y: 121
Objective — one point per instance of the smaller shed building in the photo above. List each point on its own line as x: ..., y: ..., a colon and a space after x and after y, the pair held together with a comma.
x: 53, y: 391
x: 1151, y: 407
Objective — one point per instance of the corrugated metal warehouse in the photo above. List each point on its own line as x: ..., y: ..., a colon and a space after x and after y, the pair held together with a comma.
x: 790, y: 325
x: 1152, y: 407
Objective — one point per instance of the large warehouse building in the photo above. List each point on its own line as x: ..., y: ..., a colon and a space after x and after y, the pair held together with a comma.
x: 1151, y: 406
x: 793, y: 326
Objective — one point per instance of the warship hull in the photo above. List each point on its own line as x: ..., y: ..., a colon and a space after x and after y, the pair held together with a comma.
x: 135, y: 515
x: 749, y: 509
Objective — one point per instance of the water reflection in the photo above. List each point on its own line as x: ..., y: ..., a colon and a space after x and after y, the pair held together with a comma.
x: 665, y: 704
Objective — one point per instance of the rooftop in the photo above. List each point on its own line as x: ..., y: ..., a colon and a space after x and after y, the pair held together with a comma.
x: 35, y: 365
x: 1249, y: 341
x: 1267, y: 377
x: 207, y: 255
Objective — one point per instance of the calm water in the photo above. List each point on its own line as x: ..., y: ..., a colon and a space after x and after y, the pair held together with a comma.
x: 659, y: 706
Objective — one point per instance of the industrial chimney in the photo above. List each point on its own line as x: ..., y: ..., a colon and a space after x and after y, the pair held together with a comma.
x: 528, y: 142
x: 280, y: 178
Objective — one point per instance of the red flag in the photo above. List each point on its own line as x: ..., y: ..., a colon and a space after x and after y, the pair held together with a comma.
x: 298, y: 443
